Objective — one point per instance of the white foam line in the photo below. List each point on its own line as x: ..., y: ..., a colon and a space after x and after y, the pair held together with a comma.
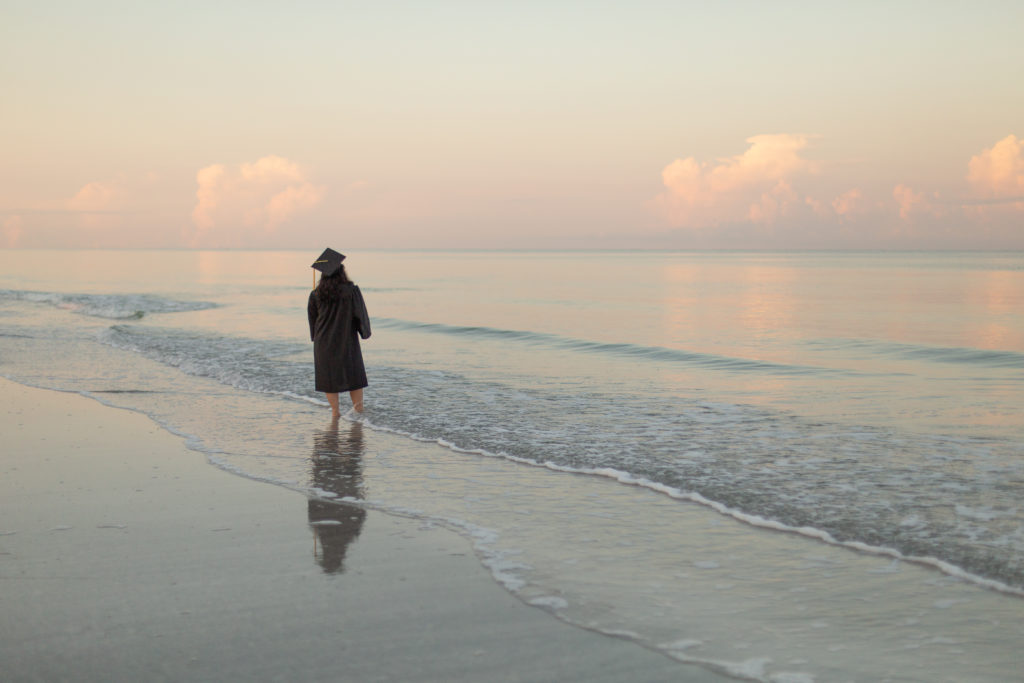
x: 308, y: 399
x: 748, y: 670
x: 694, y: 497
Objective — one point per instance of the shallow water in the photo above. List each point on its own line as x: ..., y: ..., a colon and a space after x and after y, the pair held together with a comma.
x: 866, y: 403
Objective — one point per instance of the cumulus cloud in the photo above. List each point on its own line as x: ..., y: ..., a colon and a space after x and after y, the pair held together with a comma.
x: 124, y: 192
x: 849, y: 204
x: 97, y: 196
x: 997, y: 174
x: 756, y: 185
x: 994, y: 194
x: 233, y: 201
x: 910, y: 203
x: 772, y: 195
x: 774, y: 203
x: 100, y: 205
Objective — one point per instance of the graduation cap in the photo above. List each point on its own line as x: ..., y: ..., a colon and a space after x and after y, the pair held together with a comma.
x: 328, y: 263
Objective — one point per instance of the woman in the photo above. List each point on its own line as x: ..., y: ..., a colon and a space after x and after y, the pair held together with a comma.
x: 337, y: 318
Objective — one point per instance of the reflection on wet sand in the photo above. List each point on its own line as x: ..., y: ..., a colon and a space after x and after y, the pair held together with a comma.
x: 336, y: 467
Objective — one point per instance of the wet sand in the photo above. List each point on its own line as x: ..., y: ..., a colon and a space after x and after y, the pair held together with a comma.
x: 126, y: 556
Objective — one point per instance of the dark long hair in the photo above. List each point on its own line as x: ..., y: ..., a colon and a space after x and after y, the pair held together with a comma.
x: 332, y: 287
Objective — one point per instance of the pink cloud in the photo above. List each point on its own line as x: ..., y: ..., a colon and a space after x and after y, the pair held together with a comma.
x: 97, y: 196
x: 998, y: 172
x: 232, y: 202
x: 907, y: 200
x: 994, y: 195
x: 100, y: 205
x: 996, y: 179
x: 294, y: 199
x: 849, y: 203
x: 771, y: 192
x: 756, y: 185
x: 271, y: 169
x: 775, y: 203
x: 208, y: 195
x: 911, y: 203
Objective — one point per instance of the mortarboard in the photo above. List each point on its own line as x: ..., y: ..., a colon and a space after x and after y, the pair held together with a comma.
x: 328, y: 263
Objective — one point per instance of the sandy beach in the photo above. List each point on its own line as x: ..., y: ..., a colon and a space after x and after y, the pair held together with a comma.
x: 126, y: 556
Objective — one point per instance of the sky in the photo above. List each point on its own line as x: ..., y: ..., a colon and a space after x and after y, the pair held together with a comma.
x: 556, y: 124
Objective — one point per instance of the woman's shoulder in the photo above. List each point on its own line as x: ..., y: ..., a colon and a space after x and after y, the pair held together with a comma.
x: 348, y: 291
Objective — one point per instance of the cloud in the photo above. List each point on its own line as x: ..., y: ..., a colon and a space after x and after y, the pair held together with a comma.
x: 770, y: 195
x: 775, y: 203
x: 233, y: 202
x: 97, y: 196
x: 993, y: 196
x: 911, y: 203
x: 996, y: 179
x: 292, y: 200
x: 756, y: 185
x: 99, y: 205
x: 849, y: 204
x: 998, y: 172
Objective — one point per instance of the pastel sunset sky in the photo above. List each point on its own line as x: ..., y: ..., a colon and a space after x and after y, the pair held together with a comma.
x: 512, y: 124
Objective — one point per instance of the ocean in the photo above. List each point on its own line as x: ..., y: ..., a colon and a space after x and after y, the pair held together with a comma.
x: 783, y: 466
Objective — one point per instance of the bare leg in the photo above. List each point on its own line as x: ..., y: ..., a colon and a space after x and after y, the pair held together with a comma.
x: 333, y: 400
x: 357, y: 399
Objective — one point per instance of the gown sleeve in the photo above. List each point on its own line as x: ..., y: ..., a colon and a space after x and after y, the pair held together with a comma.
x: 360, y: 314
x: 311, y: 312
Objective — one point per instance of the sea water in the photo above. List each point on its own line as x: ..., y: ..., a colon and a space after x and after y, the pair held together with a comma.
x: 779, y: 466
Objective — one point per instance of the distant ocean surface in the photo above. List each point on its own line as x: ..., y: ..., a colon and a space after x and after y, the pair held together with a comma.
x: 868, y: 403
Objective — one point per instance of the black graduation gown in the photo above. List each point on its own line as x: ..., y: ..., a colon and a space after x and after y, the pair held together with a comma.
x: 335, y: 328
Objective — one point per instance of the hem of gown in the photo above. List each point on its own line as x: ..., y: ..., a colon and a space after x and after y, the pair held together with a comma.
x: 339, y: 391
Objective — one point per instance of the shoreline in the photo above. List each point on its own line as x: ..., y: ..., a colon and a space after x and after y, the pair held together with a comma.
x: 125, y: 555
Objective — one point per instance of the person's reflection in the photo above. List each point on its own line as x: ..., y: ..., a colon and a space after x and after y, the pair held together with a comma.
x: 337, y: 467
